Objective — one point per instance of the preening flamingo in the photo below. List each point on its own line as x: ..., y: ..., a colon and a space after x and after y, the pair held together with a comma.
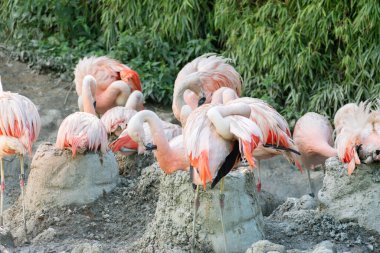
x: 210, y: 72
x: 215, y: 137
x: 115, y: 81
x: 116, y: 119
x: 166, y: 141
x: 313, y: 137
x: 82, y: 131
x: 20, y: 126
x: 358, y: 137
x: 275, y: 129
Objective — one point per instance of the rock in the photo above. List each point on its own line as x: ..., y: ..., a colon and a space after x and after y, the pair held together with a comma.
x: 294, y: 206
x: 324, y: 247
x: 87, y: 248
x: 44, y: 237
x: 268, y: 202
x: 6, y: 240
x: 56, y: 179
x: 283, y: 180
x: 352, y: 198
x: 265, y: 246
x: 172, y: 225
x: 50, y: 118
x: 132, y: 165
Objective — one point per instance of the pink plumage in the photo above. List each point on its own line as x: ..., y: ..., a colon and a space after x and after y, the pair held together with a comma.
x: 116, y: 119
x: 313, y: 137
x: 211, y: 72
x: 82, y: 131
x: 20, y: 123
x: 115, y: 81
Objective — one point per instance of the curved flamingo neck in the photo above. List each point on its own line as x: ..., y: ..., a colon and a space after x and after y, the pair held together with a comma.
x: 155, y: 126
x: 1, y: 85
x: 193, y: 84
x: 135, y: 100
x: 89, y: 85
x: 217, y: 116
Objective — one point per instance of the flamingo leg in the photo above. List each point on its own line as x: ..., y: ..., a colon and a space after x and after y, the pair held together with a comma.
x: 310, y: 184
x: 258, y: 185
x: 2, y: 192
x: 196, y: 207
x: 22, y: 183
x: 221, y: 205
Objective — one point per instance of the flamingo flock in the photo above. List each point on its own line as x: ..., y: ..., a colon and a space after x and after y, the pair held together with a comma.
x: 219, y: 130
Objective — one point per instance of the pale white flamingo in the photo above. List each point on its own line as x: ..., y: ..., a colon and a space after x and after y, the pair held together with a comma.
x: 82, y: 131
x: 210, y: 72
x: 358, y: 138
x: 115, y: 81
x: 20, y: 126
x: 163, y: 137
x: 313, y: 137
x: 116, y: 119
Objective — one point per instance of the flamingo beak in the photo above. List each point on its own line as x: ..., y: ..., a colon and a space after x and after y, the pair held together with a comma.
x: 150, y: 147
x: 95, y: 104
x: 201, y: 101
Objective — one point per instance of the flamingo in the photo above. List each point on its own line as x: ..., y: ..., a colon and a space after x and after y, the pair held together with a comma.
x: 358, y: 138
x: 116, y: 119
x: 115, y: 81
x: 83, y: 131
x: 272, y: 124
x: 215, y: 137
x: 210, y: 72
x: 167, y: 139
x: 313, y: 137
x: 20, y: 126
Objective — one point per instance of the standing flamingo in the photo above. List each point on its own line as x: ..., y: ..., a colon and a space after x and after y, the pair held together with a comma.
x: 167, y: 142
x: 277, y: 139
x: 20, y: 126
x: 210, y: 72
x: 115, y: 81
x: 116, y: 119
x: 313, y: 137
x: 215, y: 137
x: 83, y: 131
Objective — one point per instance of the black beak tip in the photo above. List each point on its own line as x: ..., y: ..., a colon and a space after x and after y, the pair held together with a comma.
x: 201, y: 101
x: 94, y: 104
x: 150, y: 147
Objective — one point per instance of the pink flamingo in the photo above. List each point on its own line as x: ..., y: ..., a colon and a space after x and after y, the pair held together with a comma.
x: 358, y: 134
x: 313, y: 137
x: 116, y: 119
x: 83, y: 131
x: 275, y: 129
x: 20, y: 126
x: 167, y: 139
x: 215, y: 137
x: 115, y: 81
x: 155, y: 134
x: 210, y: 72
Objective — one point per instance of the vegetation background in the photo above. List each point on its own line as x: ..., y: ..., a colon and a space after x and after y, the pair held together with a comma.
x: 299, y: 55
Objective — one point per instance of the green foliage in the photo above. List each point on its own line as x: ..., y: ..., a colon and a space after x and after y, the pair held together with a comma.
x: 298, y: 55
x: 304, y: 55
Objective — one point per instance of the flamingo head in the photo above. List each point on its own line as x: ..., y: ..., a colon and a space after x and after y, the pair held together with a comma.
x: 129, y: 75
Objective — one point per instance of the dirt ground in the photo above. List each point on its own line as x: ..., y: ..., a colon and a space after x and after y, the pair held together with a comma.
x: 116, y: 221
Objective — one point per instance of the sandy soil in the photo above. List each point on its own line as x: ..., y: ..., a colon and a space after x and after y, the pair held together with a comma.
x: 116, y: 222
